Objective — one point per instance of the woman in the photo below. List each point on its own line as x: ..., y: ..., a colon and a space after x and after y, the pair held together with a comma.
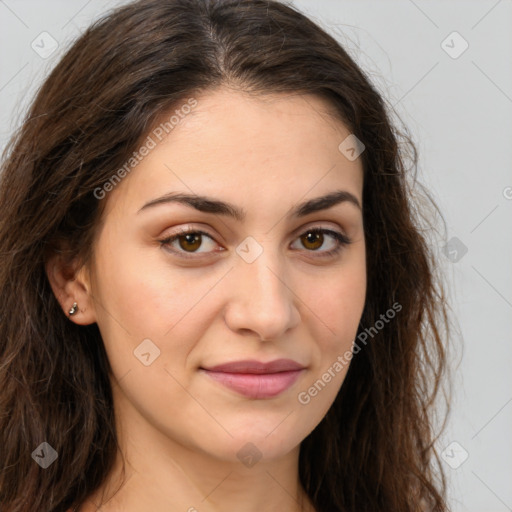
x: 216, y: 294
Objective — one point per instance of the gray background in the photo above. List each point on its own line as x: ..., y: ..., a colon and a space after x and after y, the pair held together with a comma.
x: 458, y: 109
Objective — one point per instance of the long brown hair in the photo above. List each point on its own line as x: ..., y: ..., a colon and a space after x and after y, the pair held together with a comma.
x: 375, y: 448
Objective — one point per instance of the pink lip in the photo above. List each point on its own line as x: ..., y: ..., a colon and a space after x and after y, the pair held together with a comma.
x: 255, y: 379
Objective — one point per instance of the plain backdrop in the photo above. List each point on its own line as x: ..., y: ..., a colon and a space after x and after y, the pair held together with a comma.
x: 446, y: 67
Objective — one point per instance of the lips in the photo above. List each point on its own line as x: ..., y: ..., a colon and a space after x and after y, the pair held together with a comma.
x: 251, y: 366
x: 255, y: 379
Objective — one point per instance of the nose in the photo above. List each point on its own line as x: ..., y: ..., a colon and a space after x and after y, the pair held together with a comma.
x: 262, y: 302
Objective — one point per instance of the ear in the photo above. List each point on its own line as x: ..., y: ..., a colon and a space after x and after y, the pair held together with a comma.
x: 71, y: 284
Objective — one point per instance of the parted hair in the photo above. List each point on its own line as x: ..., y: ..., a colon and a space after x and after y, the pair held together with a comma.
x: 375, y: 450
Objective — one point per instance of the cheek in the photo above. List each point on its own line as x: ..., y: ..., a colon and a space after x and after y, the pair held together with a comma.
x: 339, y: 307
x: 141, y: 297
x: 141, y: 292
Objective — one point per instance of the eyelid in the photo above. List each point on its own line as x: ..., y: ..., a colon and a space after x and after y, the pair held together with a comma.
x: 341, y: 238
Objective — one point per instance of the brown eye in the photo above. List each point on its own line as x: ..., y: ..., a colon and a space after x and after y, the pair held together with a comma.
x: 191, y: 241
x: 188, y: 243
x: 315, y: 238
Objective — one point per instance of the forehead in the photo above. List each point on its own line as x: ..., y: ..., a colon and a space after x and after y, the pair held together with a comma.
x: 238, y: 114
x: 246, y: 147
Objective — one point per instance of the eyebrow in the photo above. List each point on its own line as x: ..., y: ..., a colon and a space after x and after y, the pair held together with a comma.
x: 215, y: 206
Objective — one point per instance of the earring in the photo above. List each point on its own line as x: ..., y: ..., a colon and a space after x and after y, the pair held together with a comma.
x: 73, y: 309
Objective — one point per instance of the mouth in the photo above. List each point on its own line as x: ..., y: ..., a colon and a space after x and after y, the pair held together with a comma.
x: 255, y: 379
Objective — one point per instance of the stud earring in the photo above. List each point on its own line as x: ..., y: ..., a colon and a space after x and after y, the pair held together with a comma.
x: 74, y: 309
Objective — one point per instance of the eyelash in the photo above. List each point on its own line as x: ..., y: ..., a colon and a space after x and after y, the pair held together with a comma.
x: 342, y: 241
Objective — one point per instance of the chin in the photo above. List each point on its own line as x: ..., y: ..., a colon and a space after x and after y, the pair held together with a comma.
x: 262, y: 443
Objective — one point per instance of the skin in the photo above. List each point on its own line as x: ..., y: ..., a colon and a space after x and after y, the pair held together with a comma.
x: 179, y: 430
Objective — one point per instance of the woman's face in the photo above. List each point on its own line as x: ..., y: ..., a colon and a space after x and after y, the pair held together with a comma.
x: 257, y: 286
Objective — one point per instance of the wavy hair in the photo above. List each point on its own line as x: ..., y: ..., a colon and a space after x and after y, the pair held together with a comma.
x: 375, y: 448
